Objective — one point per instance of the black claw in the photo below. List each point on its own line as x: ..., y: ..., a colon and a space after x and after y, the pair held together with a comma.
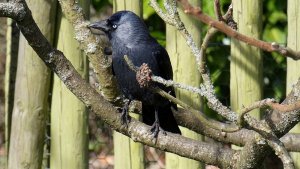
x: 155, y: 129
x: 125, y: 118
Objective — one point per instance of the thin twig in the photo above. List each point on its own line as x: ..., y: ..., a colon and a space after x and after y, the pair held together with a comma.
x: 57, y: 62
x: 160, y: 12
x: 218, y: 12
x: 285, y: 107
x: 214, y: 103
x: 260, y: 127
x: 138, y: 131
x: 210, y: 33
x: 173, y: 17
x: 270, y: 47
x: 271, y: 104
x: 255, y: 105
x: 200, y: 116
x: 203, y: 90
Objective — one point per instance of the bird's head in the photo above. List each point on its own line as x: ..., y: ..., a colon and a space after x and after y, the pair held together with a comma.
x: 123, y: 27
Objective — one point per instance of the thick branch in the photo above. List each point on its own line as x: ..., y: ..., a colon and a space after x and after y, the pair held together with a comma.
x: 172, y: 13
x: 291, y: 142
x: 281, y: 152
x: 90, y: 44
x: 138, y: 131
x: 268, y: 136
x: 280, y: 123
x: 12, y: 10
x: 56, y: 61
x: 283, y: 122
x: 239, y: 138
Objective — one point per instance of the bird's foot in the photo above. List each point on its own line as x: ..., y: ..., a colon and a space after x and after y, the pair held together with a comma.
x: 155, y: 129
x: 125, y: 118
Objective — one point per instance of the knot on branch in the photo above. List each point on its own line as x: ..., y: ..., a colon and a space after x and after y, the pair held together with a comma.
x: 143, y: 75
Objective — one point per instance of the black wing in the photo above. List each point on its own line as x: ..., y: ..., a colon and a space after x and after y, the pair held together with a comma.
x: 165, y: 69
x: 164, y: 63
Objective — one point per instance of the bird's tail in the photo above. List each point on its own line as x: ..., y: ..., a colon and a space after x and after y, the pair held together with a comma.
x: 166, y: 119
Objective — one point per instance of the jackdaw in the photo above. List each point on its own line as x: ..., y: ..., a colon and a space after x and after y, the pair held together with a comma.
x: 129, y: 36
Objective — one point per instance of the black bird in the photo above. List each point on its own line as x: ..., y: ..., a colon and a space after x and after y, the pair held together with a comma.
x: 129, y: 36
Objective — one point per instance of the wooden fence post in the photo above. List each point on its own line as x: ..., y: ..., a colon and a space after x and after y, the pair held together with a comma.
x: 69, y: 119
x: 293, y: 67
x: 246, y: 61
x: 184, y: 71
x: 31, y: 95
x: 128, y: 154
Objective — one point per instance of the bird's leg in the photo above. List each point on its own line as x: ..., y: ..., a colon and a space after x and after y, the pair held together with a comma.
x: 155, y: 128
x: 125, y: 118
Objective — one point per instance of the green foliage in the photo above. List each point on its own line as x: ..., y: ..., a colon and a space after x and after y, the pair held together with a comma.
x: 155, y: 24
x: 147, y: 10
x: 275, y: 30
x: 274, y: 65
x: 99, y: 4
x: 159, y: 36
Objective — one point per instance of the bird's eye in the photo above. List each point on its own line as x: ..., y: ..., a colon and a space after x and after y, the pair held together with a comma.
x: 114, y: 26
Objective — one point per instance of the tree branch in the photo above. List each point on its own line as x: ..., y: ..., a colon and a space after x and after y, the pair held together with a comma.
x: 213, y: 102
x: 90, y: 45
x: 291, y: 142
x: 12, y: 10
x: 207, y: 152
x: 217, y: 9
x: 281, y: 152
x: 280, y: 123
x: 144, y: 80
x: 271, y: 104
x: 209, y: 34
x: 270, y: 47
x: 56, y: 61
x: 239, y: 138
x: 251, y: 121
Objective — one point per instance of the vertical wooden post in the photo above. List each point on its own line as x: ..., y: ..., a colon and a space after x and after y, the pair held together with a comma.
x: 31, y: 95
x: 293, y: 67
x: 184, y: 71
x: 246, y: 61
x: 12, y: 43
x: 128, y: 154
x: 69, y: 128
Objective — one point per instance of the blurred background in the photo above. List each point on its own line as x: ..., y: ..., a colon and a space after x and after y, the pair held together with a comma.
x: 100, y: 143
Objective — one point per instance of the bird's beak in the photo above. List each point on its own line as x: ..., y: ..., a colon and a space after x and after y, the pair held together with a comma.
x: 101, y: 25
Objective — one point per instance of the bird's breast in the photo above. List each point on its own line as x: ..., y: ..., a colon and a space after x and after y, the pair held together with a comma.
x: 126, y: 79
